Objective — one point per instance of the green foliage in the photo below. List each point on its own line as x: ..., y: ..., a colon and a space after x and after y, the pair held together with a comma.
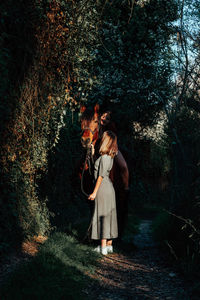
x: 46, y: 58
x: 131, y: 228
x: 132, y: 62
x: 180, y: 227
x: 61, y: 184
x: 186, y: 158
x: 161, y: 227
x: 160, y: 163
x: 59, y: 271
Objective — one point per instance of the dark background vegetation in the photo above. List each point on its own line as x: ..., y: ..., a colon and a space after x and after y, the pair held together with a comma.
x: 139, y: 59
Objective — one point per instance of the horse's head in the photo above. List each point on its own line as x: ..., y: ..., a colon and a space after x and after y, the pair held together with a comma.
x: 89, y: 126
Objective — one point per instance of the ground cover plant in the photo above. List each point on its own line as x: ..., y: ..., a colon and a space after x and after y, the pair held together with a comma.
x: 58, y: 271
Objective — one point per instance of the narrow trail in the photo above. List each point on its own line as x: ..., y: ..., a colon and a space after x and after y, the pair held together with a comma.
x: 142, y: 273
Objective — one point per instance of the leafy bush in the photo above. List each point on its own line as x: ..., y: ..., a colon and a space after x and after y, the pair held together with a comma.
x: 162, y: 225
x: 53, y: 43
x: 179, y: 227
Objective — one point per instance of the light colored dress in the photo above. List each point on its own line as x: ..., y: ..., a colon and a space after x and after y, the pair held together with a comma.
x: 104, y: 222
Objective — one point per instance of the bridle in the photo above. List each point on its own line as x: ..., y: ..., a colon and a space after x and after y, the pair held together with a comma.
x: 88, y: 128
x: 92, y: 131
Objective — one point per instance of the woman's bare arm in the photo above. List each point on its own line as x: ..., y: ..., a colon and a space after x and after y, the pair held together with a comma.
x: 97, y: 185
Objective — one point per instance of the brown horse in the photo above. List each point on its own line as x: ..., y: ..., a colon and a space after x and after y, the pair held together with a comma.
x: 91, y: 127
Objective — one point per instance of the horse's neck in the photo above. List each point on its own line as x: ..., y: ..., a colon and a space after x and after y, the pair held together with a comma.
x: 96, y: 147
x: 95, y: 137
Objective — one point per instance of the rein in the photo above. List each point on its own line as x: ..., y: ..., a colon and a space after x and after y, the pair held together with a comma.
x: 87, y: 161
x: 88, y: 158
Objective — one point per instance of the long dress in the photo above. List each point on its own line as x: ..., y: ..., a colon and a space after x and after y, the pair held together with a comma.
x: 104, y: 222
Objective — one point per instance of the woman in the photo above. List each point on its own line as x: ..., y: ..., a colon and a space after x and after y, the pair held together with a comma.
x: 106, y: 123
x: 104, y: 222
x: 119, y: 176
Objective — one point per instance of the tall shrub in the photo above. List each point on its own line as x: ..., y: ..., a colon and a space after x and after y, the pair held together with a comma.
x: 46, y: 58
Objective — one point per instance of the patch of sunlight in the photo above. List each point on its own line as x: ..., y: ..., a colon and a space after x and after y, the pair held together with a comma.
x: 142, y: 3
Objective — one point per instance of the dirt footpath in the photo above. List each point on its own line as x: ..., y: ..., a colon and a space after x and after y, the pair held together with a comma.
x: 139, y: 273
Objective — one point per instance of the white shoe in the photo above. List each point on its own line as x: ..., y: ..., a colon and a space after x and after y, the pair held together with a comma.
x: 102, y: 250
x: 109, y: 249
x: 97, y: 249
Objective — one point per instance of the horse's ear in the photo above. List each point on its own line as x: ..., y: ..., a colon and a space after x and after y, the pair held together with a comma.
x: 82, y: 109
x: 96, y: 108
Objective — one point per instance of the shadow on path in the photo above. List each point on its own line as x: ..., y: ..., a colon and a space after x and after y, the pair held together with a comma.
x: 138, y: 273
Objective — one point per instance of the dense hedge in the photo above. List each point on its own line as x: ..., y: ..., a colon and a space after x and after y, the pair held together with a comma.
x: 47, y: 47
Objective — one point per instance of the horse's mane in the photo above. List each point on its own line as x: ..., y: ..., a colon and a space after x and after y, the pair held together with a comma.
x: 111, y: 126
x: 88, y: 115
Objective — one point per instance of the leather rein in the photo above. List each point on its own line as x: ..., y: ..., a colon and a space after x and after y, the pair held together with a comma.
x: 89, y: 157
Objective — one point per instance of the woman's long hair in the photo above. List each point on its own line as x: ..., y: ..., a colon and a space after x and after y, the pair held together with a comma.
x: 108, y: 144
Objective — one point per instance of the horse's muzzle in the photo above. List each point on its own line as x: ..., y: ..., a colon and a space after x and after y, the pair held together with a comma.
x: 85, y: 142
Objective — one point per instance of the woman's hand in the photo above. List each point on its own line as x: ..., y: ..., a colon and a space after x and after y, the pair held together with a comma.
x: 92, y: 149
x: 92, y: 196
x: 97, y: 185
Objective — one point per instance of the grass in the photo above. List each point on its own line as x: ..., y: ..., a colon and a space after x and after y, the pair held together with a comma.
x: 58, y: 271
x: 61, y: 268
